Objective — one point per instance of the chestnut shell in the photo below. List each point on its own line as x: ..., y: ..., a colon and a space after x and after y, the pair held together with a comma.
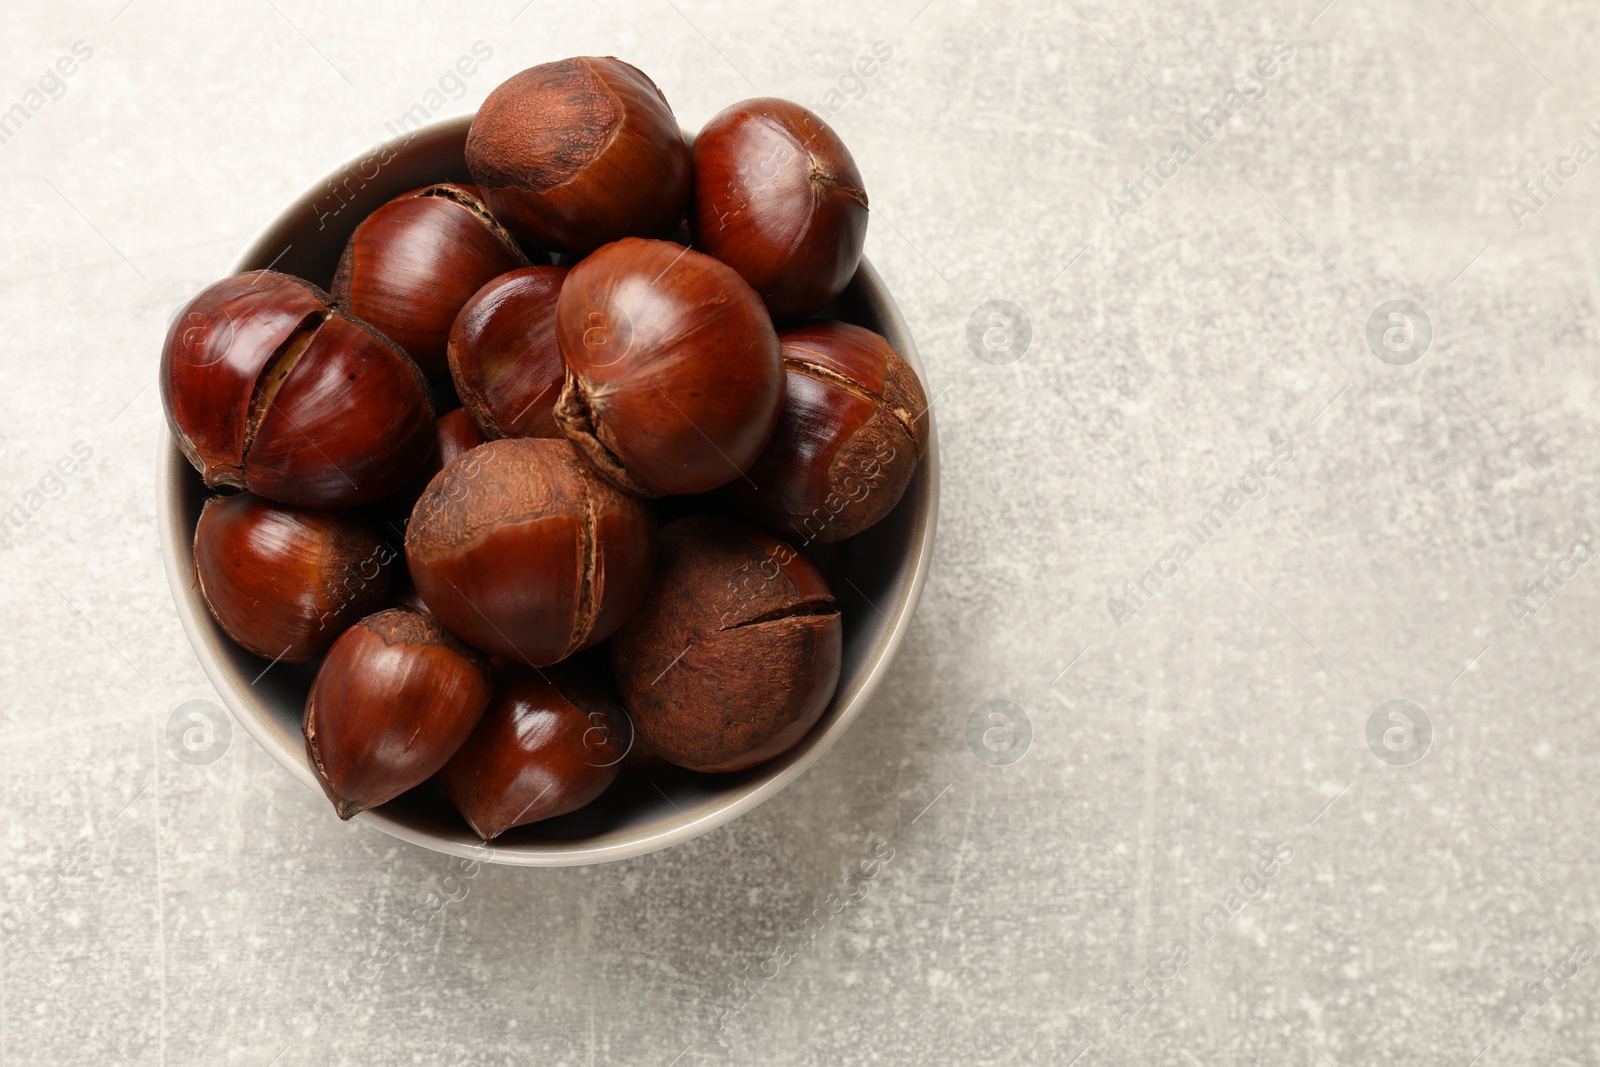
x: 576, y: 153
x: 854, y: 428
x: 674, y: 372
x: 734, y: 653
x: 549, y: 743
x: 778, y: 197
x: 285, y: 582
x: 504, y: 356
x: 411, y: 265
x: 458, y: 434
x: 520, y: 549
x: 395, y: 698
x: 268, y: 387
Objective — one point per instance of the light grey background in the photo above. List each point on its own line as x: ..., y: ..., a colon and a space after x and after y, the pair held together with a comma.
x: 169, y: 912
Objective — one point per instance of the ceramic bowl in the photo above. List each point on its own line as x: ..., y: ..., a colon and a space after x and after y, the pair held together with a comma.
x: 642, y: 812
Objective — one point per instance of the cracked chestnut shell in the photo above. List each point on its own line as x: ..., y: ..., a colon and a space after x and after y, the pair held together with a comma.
x: 520, y: 549
x: 853, y: 430
x: 735, y: 652
x: 778, y: 198
x: 412, y: 264
x: 550, y: 742
x: 674, y: 374
x: 576, y: 153
x: 393, y: 701
x: 285, y: 582
x: 504, y: 357
x: 267, y: 387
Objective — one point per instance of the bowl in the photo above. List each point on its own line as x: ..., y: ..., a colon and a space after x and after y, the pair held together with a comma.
x: 643, y: 811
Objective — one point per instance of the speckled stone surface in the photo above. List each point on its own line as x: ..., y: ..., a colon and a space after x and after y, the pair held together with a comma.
x: 1207, y: 510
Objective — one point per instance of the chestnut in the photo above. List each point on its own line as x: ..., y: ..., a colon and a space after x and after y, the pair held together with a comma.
x: 520, y: 549
x: 853, y: 429
x: 550, y: 742
x: 397, y: 695
x: 573, y: 154
x: 457, y: 433
x: 504, y: 358
x: 267, y: 387
x: 284, y: 582
x: 735, y: 652
x: 413, y: 263
x: 778, y: 198
x: 674, y: 373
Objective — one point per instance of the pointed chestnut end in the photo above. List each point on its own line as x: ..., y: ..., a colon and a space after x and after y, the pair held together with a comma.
x: 487, y: 834
x: 347, y: 811
x: 391, y: 703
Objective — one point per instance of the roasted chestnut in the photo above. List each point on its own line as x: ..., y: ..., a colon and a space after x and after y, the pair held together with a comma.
x: 573, y: 154
x: 853, y: 429
x: 778, y: 198
x: 734, y: 653
x: 267, y: 387
x: 457, y: 433
x: 674, y: 374
x: 397, y: 695
x: 550, y: 742
x: 413, y: 263
x: 285, y: 582
x: 504, y: 357
x: 520, y: 549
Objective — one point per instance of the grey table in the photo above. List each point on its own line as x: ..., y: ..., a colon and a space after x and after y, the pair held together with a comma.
x: 1200, y: 836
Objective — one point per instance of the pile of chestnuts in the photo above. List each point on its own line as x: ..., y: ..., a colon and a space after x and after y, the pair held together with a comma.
x: 612, y: 550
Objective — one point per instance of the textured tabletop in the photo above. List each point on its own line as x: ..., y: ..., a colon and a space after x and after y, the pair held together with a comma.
x: 1248, y: 716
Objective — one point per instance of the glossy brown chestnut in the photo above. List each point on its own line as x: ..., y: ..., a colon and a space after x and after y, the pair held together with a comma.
x: 390, y: 705
x: 520, y: 549
x: 778, y: 198
x: 853, y: 429
x: 735, y: 652
x: 285, y: 582
x: 550, y: 742
x: 457, y: 434
x: 504, y: 357
x: 267, y: 387
x: 573, y: 154
x: 674, y: 374
x: 413, y: 263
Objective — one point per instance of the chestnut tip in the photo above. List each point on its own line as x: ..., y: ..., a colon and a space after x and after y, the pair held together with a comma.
x: 547, y: 745
x: 394, y: 699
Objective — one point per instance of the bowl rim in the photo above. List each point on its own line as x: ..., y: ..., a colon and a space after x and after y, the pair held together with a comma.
x: 248, y: 708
